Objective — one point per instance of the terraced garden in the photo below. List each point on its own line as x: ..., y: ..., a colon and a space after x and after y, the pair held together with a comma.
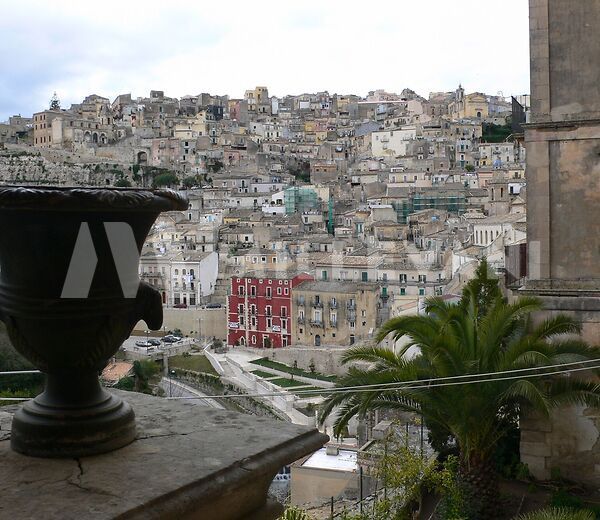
x: 275, y: 365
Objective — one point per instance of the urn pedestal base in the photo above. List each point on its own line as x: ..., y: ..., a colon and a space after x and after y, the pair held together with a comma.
x: 73, y: 417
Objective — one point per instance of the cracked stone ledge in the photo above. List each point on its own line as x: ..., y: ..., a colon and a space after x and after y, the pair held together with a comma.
x: 187, y: 462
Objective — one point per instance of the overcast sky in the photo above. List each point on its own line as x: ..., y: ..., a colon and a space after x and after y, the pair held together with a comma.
x: 224, y: 47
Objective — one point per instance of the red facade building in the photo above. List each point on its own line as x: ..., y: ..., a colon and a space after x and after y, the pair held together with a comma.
x: 259, y: 311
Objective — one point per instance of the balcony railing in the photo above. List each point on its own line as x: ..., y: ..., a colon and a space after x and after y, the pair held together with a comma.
x: 351, y: 306
x: 333, y: 304
x: 301, y: 320
x: 316, y: 323
x: 317, y: 304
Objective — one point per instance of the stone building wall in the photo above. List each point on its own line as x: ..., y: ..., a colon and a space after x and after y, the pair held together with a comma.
x: 563, y: 216
x: 36, y: 169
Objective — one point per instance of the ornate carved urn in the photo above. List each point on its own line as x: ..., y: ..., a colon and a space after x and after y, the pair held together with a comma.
x: 70, y: 295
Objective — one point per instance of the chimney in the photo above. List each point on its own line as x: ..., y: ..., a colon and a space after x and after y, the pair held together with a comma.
x: 332, y: 450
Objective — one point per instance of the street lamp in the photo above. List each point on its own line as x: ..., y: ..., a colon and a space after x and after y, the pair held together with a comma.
x: 171, y: 372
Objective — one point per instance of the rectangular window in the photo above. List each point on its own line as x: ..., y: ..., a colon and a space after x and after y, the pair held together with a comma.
x: 364, y: 276
x: 402, y: 291
x: 283, y: 311
x: 240, y: 308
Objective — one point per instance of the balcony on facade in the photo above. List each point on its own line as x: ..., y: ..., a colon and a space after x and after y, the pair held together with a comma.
x: 151, y: 275
x: 351, y: 306
x: 317, y: 304
x: 316, y: 323
x: 333, y: 304
x: 301, y: 320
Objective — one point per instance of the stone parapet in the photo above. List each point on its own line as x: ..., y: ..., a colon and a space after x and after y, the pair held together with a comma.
x: 187, y: 462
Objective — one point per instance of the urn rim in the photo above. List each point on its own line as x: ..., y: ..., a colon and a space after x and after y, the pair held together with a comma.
x: 78, y: 198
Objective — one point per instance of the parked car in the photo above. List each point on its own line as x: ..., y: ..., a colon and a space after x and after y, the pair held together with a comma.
x: 170, y: 338
x: 145, y: 344
x: 180, y: 306
x: 213, y: 305
x: 154, y: 342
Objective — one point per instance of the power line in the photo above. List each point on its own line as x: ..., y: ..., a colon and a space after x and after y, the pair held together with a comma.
x: 399, y: 385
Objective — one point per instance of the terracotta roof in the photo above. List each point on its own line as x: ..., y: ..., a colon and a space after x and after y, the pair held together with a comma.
x: 113, y: 372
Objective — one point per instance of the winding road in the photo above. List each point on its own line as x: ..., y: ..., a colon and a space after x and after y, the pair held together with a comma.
x: 174, y: 388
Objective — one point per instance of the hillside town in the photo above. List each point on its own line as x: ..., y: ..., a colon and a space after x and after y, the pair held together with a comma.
x: 312, y: 220
x: 395, y: 195
x: 352, y: 307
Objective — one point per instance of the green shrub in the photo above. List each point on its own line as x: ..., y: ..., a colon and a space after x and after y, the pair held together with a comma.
x: 165, y: 179
x: 562, y: 499
x: 560, y: 513
x: 293, y: 513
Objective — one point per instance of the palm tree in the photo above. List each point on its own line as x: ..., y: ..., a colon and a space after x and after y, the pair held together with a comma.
x: 481, y: 334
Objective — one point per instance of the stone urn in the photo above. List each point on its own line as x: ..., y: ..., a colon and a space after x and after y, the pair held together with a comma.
x: 70, y: 295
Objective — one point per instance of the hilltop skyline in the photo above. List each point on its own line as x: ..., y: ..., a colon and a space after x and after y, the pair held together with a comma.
x: 224, y: 49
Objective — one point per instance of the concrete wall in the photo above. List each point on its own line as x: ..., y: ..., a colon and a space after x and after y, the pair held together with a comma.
x: 567, y: 441
x: 193, y: 322
x: 326, y: 360
x: 316, y: 486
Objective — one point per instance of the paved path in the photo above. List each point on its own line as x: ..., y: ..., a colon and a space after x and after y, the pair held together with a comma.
x: 175, y: 388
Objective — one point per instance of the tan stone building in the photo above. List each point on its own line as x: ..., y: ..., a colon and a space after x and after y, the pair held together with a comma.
x: 474, y: 105
x: 563, y: 224
x: 334, y: 313
x: 329, y: 472
x: 42, y: 127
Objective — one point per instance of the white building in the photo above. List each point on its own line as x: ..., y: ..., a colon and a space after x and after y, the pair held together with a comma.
x: 385, y: 143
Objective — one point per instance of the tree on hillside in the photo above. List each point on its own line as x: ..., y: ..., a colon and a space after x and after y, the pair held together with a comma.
x: 482, y: 334
x: 54, y: 102
x: 165, y: 179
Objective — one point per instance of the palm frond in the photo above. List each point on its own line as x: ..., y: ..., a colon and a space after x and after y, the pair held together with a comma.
x: 555, y: 325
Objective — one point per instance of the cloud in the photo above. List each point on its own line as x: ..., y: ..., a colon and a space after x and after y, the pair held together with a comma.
x: 77, y: 48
